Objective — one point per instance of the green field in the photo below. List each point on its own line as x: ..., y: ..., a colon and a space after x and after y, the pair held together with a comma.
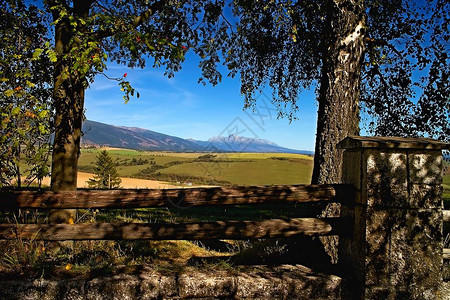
x: 231, y: 168
x: 221, y: 168
x: 255, y: 172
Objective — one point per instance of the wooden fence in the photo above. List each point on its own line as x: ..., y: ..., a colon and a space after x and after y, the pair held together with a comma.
x: 390, y: 228
x: 189, y: 197
x: 107, y: 199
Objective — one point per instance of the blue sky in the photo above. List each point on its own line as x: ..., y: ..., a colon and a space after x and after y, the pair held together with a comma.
x: 182, y: 107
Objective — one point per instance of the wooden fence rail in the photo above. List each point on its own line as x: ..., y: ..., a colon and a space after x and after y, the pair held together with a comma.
x: 183, y: 197
x: 235, y: 230
x: 177, y: 197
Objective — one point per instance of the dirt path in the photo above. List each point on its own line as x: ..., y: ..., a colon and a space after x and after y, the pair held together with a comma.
x: 127, y: 183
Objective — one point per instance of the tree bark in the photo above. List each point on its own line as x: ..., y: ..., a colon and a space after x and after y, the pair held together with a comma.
x: 68, y: 99
x: 338, y: 114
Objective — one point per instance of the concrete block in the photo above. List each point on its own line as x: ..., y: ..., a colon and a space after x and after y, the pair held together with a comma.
x: 201, y: 284
x: 117, y: 287
x: 425, y: 196
x: 425, y: 168
x: 253, y: 286
x: 385, y: 180
x: 403, y: 246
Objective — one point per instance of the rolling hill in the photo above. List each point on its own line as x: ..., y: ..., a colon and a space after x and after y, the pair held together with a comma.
x: 95, y: 133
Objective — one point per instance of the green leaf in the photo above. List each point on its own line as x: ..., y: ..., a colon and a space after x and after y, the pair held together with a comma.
x: 15, y: 111
x: 8, y: 93
x: 52, y: 55
x: 42, y: 129
x: 42, y: 114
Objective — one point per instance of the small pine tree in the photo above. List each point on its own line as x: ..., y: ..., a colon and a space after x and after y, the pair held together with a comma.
x: 105, y: 173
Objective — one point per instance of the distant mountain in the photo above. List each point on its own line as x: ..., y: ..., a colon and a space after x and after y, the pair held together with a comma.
x: 235, y: 143
x: 95, y: 133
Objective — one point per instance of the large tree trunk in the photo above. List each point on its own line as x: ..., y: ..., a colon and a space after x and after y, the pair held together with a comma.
x: 68, y: 119
x: 338, y: 114
x: 68, y: 99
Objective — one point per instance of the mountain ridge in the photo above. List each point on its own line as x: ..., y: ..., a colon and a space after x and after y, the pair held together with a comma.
x: 100, y: 134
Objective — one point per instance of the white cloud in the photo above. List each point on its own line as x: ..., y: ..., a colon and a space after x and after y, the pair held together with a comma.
x: 101, y: 86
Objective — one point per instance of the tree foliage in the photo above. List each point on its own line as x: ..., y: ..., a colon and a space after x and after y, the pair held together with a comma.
x: 105, y: 173
x: 90, y: 33
x: 131, y: 33
x: 406, y: 87
x: 386, y: 59
x: 25, y: 83
x: 404, y: 78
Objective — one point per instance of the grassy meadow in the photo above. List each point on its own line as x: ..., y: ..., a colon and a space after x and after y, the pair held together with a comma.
x: 228, y: 168
x: 212, y: 168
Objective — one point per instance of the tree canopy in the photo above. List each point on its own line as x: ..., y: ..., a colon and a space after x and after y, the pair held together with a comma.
x: 26, y: 109
x: 404, y: 87
x: 388, y: 60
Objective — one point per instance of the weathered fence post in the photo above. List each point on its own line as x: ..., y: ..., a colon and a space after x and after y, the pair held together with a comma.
x: 395, y: 251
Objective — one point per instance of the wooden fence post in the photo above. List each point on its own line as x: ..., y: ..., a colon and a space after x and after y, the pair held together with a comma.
x: 396, y: 248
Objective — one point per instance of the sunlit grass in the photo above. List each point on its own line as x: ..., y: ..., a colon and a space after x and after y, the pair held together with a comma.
x: 232, y: 168
x: 265, y: 155
x: 258, y: 172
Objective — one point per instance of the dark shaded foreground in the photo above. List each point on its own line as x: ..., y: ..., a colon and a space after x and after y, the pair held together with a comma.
x: 252, y: 282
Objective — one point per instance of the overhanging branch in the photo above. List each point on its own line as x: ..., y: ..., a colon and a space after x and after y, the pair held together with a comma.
x: 377, y: 42
x: 136, y: 20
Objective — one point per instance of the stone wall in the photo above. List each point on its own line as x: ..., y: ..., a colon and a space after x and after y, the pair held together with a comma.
x: 280, y: 282
x: 396, y: 249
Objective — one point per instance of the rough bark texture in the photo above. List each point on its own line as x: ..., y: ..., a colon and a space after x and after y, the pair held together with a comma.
x: 338, y: 114
x: 68, y: 99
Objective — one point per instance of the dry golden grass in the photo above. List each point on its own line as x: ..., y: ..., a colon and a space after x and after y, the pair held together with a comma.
x: 127, y: 183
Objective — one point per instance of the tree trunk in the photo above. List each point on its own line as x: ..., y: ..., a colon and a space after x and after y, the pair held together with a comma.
x: 66, y: 147
x: 338, y: 114
x: 68, y: 99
